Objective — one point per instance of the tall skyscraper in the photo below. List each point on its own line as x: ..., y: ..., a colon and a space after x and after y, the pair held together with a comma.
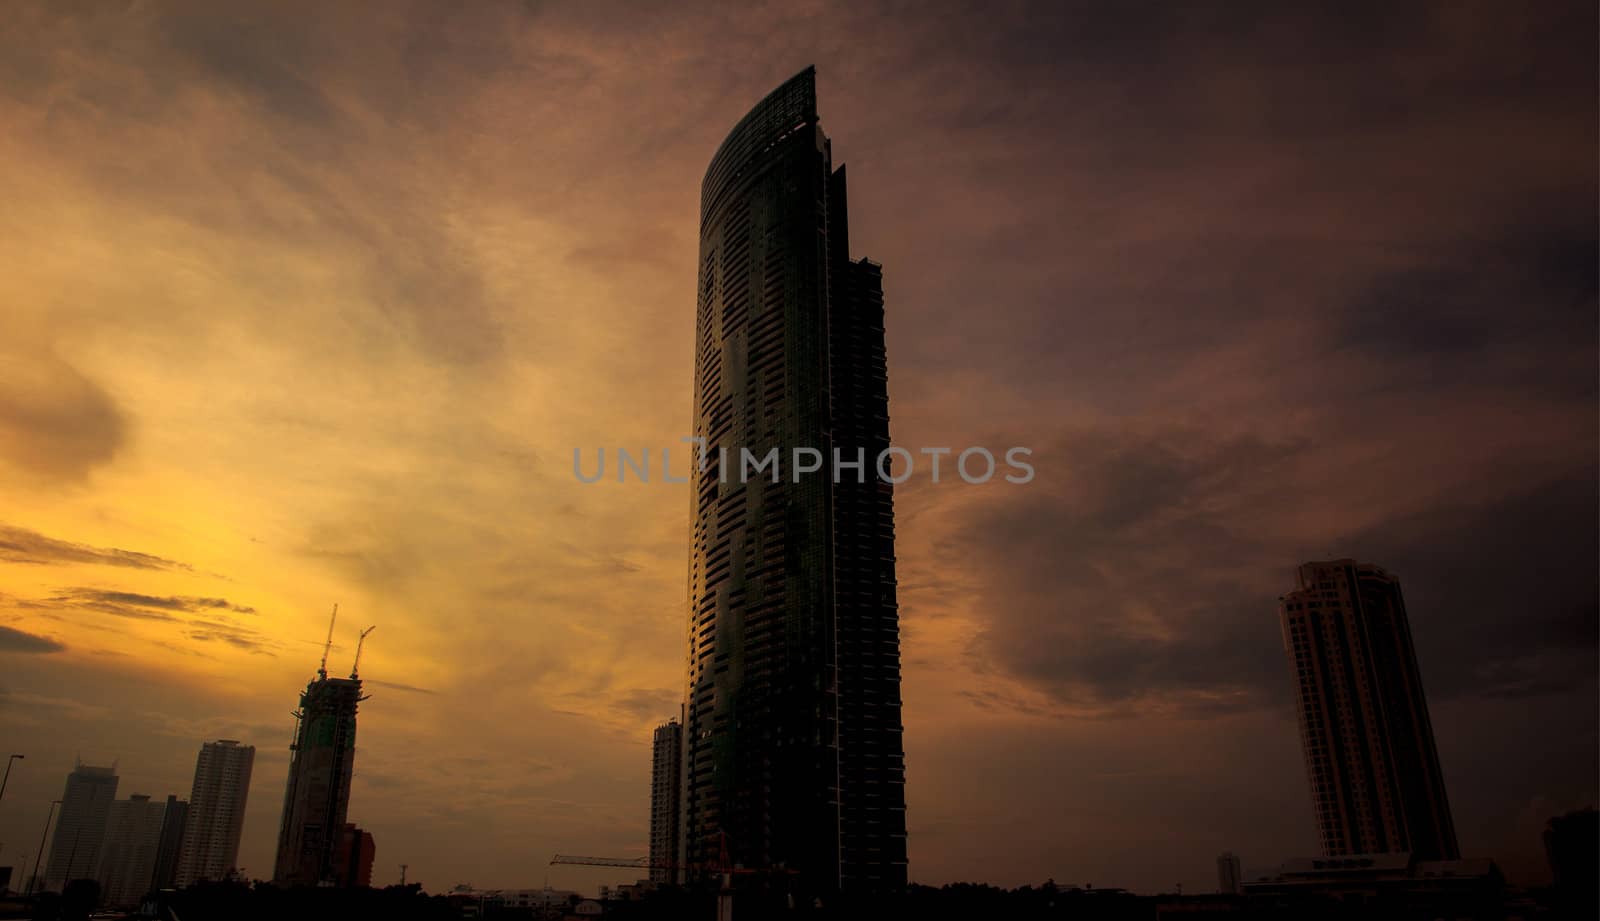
x: 792, y: 735
x: 322, y: 760
x: 174, y: 820
x: 80, y: 826
x: 1376, y: 786
x: 666, y: 758
x: 128, y: 853
x: 215, y: 817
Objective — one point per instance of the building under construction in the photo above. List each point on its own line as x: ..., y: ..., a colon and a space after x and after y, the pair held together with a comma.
x: 321, y: 763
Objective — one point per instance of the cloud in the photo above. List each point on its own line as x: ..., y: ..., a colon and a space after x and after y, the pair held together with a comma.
x: 20, y: 545
x: 191, y: 726
x: 195, y: 615
x: 123, y: 600
x: 13, y: 640
x: 396, y: 686
x: 1442, y: 314
x: 1501, y: 590
x: 1133, y: 578
x: 67, y: 707
x: 1146, y: 575
x: 243, y: 639
x: 647, y: 703
x: 55, y: 422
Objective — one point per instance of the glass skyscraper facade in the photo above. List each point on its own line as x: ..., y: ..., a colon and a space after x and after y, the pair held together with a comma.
x: 792, y: 754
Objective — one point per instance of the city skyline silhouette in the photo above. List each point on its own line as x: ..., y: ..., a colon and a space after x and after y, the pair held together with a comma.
x: 307, y: 306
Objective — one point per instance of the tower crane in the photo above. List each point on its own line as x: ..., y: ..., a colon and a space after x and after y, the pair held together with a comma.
x: 355, y: 667
x: 322, y: 670
x: 723, y: 866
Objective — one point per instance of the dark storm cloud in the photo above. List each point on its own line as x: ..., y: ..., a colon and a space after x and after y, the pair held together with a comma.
x: 1151, y: 579
x: 1274, y: 164
x: 20, y: 545
x: 1309, y: 261
x: 1460, y: 302
x: 1139, y: 580
x: 13, y: 640
x: 1501, y: 591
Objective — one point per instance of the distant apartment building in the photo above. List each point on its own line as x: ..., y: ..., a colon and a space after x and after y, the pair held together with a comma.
x: 129, y: 851
x: 80, y: 826
x: 215, y: 817
x: 1389, y: 885
x: 174, y: 818
x: 352, y: 860
x: 1376, y: 786
x: 1229, y: 877
x: 522, y: 900
x: 666, y: 760
x: 1572, y: 844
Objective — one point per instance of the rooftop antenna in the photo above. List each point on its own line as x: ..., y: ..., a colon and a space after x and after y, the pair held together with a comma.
x: 355, y: 667
x: 322, y: 670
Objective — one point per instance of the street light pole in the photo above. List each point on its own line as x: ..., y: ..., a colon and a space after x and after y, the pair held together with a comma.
x: 33, y: 880
x: 72, y: 857
x: 8, y: 774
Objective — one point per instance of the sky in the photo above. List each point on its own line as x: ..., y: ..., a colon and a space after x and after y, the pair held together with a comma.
x: 305, y: 304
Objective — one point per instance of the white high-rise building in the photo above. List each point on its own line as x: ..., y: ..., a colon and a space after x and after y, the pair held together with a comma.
x: 216, y: 811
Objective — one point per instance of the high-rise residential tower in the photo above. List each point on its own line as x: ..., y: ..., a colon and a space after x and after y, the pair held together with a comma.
x: 666, y: 758
x: 317, y: 796
x: 129, y: 851
x: 174, y: 820
x: 792, y: 750
x: 80, y: 826
x: 215, y: 818
x: 1376, y: 786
